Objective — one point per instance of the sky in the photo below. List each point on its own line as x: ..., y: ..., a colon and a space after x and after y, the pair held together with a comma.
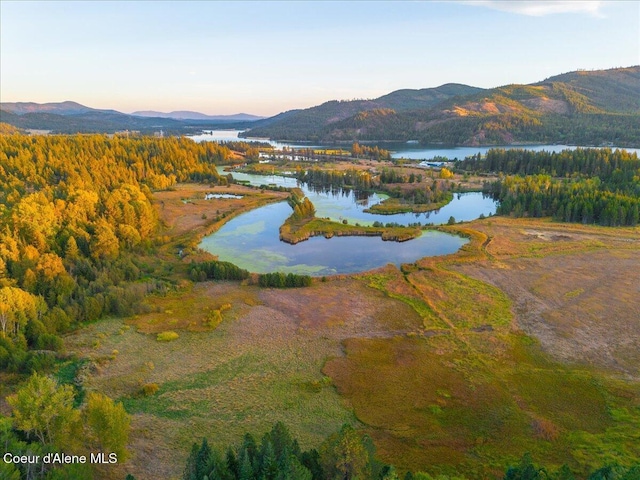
x: 264, y: 57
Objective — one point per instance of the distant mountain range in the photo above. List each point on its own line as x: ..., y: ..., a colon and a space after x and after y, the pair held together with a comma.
x: 61, y: 108
x: 72, y: 117
x: 583, y: 107
x: 187, y: 115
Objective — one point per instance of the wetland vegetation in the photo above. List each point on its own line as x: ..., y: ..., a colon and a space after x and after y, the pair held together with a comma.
x: 522, y: 337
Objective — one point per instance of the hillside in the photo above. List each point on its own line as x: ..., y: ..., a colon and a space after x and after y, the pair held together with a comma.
x: 311, y: 123
x: 72, y: 117
x: 580, y: 107
x: 58, y: 108
x: 615, y: 89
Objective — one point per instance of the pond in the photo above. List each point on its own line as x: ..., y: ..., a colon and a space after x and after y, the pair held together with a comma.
x: 252, y: 240
x: 342, y: 204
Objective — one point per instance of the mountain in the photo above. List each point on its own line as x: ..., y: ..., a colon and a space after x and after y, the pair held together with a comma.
x: 72, y: 117
x: 60, y: 108
x: 425, y: 98
x: 615, y: 89
x: 308, y: 124
x: 188, y: 115
x: 584, y: 107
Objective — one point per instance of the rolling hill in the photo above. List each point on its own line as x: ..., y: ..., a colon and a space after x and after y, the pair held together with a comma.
x: 310, y: 123
x: 584, y: 107
x: 72, y: 117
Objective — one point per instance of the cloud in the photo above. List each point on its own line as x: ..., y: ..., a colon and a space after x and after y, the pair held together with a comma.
x: 542, y: 7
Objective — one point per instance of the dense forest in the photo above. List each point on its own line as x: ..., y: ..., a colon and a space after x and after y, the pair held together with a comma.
x: 73, y: 210
x: 599, y: 186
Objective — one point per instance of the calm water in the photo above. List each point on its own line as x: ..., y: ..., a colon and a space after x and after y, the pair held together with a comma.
x: 399, y: 150
x: 251, y: 241
x: 342, y: 204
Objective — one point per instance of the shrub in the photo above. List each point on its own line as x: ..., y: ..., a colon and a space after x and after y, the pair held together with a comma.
x: 214, y: 318
x: 149, y: 389
x: 167, y: 336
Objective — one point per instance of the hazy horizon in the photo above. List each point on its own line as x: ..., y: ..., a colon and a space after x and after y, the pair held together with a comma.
x: 263, y: 58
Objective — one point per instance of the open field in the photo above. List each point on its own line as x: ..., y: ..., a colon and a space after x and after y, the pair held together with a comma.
x: 455, y: 364
x: 250, y: 372
x: 576, y: 289
x: 475, y: 391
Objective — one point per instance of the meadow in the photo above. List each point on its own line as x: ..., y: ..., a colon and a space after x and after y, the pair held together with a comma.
x: 524, y: 340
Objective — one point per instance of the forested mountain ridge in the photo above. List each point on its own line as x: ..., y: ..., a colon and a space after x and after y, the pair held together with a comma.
x: 579, y: 107
x: 582, y: 107
x: 612, y: 90
x: 308, y: 123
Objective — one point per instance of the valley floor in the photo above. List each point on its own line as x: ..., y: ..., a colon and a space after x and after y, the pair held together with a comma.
x: 525, y: 340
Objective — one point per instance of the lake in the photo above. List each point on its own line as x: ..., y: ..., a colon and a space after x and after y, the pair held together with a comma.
x: 411, y: 151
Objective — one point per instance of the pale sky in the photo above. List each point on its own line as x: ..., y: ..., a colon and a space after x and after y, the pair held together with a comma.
x: 265, y: 57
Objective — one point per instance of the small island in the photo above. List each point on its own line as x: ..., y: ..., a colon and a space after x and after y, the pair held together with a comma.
x: 303, y: 224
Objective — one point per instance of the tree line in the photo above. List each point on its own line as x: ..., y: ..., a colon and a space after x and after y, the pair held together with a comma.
x: 219, y: 270
x: 352, y: 178
x: 282, y: 280
x: 344, y: 455
x: 373, y: 153
x: 611, y: 166
x: 216, y: 270
x: 388, y: 180
x: 598, y: 186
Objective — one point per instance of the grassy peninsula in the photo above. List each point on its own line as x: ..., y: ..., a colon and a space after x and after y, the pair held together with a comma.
x: 303, y: 224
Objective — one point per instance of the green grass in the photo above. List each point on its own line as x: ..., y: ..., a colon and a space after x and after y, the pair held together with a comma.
x: 296, y: 231
x: 464, y: 301
x: 446, y: 398
x: 380, y: 281
x: 473, y: 401
x: 219, y: 384
x: 391, y: 206
x: 66, y: 375
x: 491, y: 410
